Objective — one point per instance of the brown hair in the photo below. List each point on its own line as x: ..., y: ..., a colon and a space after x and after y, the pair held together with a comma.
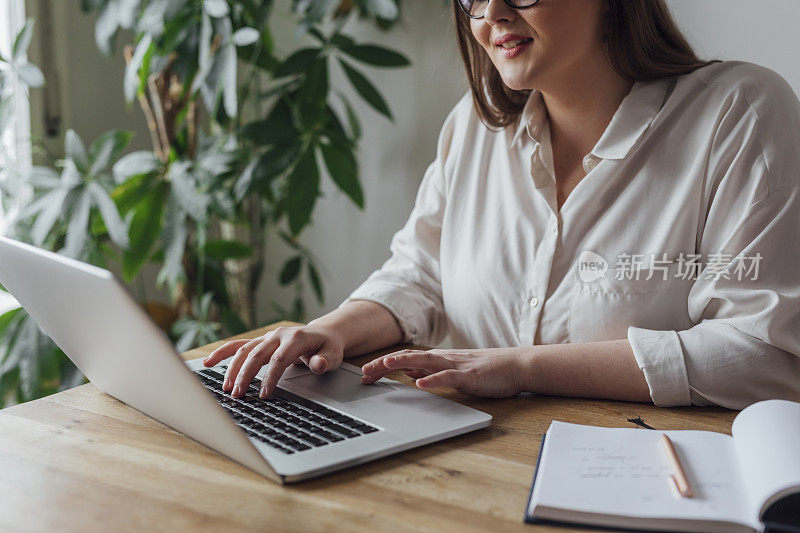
x: 642, y: 42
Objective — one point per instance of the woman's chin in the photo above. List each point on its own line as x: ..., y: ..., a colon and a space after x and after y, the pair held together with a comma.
x: 517, y: 84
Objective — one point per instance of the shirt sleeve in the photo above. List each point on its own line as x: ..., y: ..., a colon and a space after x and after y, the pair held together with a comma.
x: 745, y: 344
x: 409, y: 283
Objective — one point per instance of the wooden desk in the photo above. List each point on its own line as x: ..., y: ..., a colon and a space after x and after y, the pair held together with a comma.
x: 83, y: 461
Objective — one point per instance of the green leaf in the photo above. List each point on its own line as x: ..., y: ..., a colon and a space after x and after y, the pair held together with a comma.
x: 336, y: 132
x: 302, y: 192
x: 78, y: 228
x: 175, y: 235
x: 132, y: 79
x: 352, y: 120
x: 214, y: 280
x: 216, y: 8
x: 245, y: 36
x: 314, y: 12
x: 193, y: 202
x: 376, y: 55
x: 290, y: 270
x: 5, y: 320
x: 367, y: 91
x: 119, y: 140
x: 297, y: 62
x: 343, y: 169
x: 314, y: 32
x: 48, y: 216
x: 299, y: 311
x: 227, y: 56
x: 129, y: 194
x: 108, y: 210
x: 105, y: 28
x: 30, y: 74
x: 23, y: 41
x: 135, y: 163
x: 314, y: 90
x: 76, y: 151
x: 191, y: 330
x: 342, y: 41
x: 263, y: 170
x: 270, y: 132
x: 222, y: 250
x: 316, y: 282
x: 385, y: 9
x: 144, y: 231
x: 102, y: 159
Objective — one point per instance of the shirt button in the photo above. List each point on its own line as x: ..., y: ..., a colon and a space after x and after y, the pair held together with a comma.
x: 554, y: 226
x: 534, y: 302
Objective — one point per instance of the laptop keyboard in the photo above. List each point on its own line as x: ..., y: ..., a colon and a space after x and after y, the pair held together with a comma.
x: 284, y: 421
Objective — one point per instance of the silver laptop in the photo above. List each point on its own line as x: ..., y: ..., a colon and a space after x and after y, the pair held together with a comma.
x: 310, y: 426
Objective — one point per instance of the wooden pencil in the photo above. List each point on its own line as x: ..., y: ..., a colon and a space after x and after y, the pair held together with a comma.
x: 679, y: 477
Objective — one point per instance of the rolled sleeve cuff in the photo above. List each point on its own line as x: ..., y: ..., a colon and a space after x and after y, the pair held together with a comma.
x: 405, y: 310
x: 660, y: 356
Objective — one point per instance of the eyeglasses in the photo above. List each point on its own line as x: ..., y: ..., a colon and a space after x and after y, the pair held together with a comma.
x: 477, y: 8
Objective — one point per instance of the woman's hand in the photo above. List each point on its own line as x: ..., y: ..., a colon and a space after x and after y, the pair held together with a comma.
x: 318, y: 347
x: 494, y: 372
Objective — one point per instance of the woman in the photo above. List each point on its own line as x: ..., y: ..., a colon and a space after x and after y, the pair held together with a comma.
x: 607, y: 217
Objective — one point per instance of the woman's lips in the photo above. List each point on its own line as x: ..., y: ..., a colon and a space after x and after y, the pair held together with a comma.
x: 516, y: 50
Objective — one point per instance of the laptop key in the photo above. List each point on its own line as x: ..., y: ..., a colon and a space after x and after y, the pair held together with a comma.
x: 285, y: 421
x: 327, y: 435
x: 315, y: 441
x: 341, y: 430
x: 297, y: 445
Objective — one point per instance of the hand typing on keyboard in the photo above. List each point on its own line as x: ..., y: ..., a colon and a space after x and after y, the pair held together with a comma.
x: 318, y: 347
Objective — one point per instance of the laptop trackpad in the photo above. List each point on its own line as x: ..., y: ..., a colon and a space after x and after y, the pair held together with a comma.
x: 341, y: 385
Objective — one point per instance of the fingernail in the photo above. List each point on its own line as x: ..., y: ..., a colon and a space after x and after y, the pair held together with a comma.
x: 262, y: 393
x: 226, y: 384
x: 235, y: 391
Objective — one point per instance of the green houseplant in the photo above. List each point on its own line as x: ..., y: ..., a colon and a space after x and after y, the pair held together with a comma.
x: 240, y: 138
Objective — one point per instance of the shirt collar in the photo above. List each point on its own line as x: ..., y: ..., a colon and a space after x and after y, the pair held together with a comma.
x: 634, y: 115
x: 532, y: 119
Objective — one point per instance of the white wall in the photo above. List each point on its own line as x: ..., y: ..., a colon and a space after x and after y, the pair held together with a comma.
x: 766, y: 32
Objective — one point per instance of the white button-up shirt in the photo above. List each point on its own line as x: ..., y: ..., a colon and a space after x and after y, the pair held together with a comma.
x: 683, y: 237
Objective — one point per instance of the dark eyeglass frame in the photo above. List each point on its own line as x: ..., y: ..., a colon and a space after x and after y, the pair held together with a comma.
x: 508, y: 2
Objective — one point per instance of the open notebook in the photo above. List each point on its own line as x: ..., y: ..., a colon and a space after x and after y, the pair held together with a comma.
x: 619, y: 477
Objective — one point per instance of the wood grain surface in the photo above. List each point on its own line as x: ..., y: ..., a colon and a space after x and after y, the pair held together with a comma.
x: 82, y: 461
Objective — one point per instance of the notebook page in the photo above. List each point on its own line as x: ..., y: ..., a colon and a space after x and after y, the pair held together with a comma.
x: 625, y: 472
x: 767, y: 441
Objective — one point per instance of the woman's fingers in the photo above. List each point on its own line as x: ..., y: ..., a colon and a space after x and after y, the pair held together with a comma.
x: 416, y: 374
x: 278, y: 363
x: 408, y: 359
x: 447, y: 378
x: 224, y: 351
x: 236, y: 363
x: 255, y: 360
x: 405, y: 360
